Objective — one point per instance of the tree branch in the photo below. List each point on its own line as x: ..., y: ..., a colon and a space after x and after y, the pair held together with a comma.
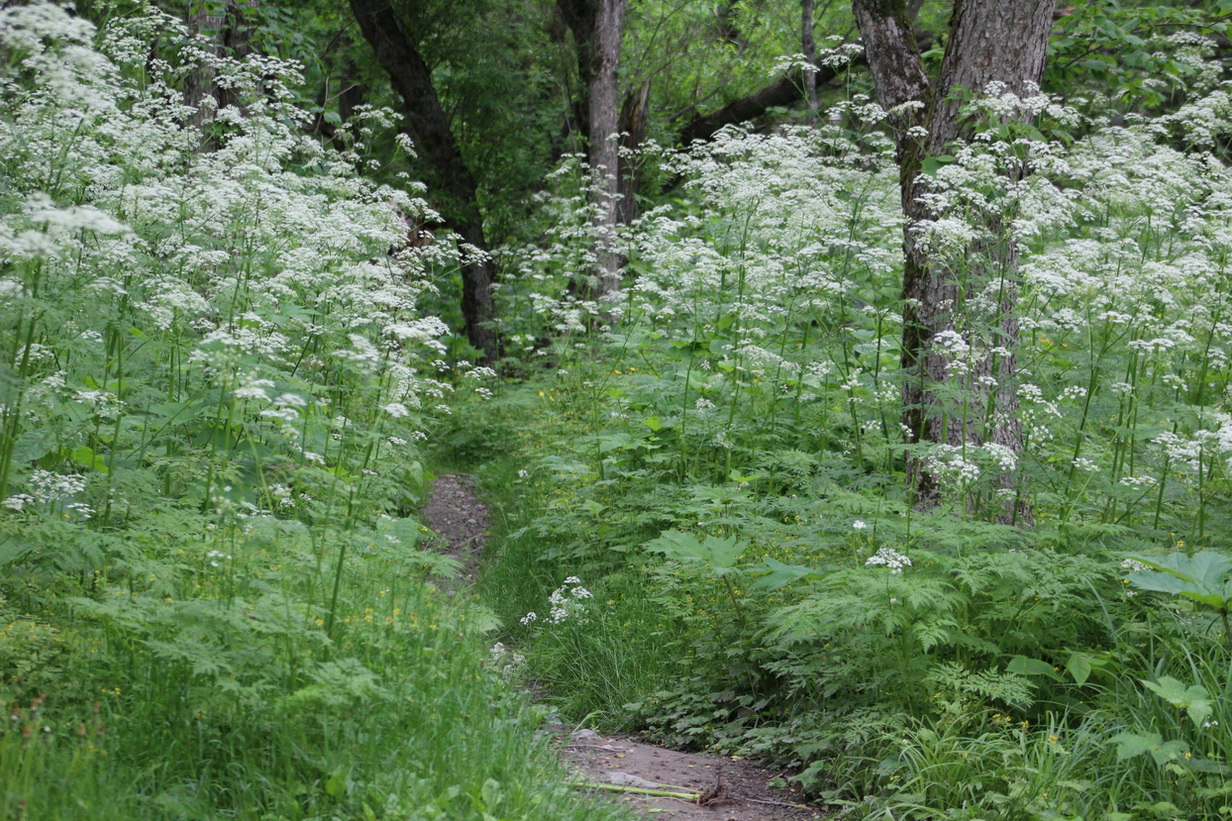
x: 785, y: 91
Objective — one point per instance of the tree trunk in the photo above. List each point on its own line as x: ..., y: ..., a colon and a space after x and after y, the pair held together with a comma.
x: 782, y: 92
x: 604, y: 139
x: 199, y: 85
x: 809, y: 46
x: 229, y: 31
x: 972, y: 294
x: 426, y: 123
x: 633, y: 113
x: 597, y: 27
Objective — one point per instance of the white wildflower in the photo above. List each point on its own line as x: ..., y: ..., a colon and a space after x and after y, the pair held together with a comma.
x: 889, y: 558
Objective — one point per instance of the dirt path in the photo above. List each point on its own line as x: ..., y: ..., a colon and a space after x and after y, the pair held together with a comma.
x: 730, y: 790
x: 459, y: 520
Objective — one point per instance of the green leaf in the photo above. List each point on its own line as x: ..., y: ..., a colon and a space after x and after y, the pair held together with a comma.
x: 1079, y: 666
x: 775, y: 574
x: 614, y: 441
x: 1204, y: 577
x: 33, y: 445
x: 653, y: 423
x: 490, y: 793
x: 719, y: 552
x: 932, y: 165
x: 85, y: 456
x: 1193, y: 700
x: 1024, y: 666
x: 336, y: 786
x: 1132, y: 744
x: 13, y: 549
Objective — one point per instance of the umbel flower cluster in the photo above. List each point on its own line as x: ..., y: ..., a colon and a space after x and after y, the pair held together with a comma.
x: 566, y: 604
x: 773, y: 286
x: 185, y: 309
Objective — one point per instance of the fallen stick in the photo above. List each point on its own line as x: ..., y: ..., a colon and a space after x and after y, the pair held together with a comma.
x: 772, y: 803
x: 691, y: 797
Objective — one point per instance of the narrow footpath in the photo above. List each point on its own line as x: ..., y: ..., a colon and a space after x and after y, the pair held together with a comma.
x: 727, y: 789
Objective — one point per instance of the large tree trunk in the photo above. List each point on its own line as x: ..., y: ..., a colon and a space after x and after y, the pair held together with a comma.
x: 604, y: 138
x: 972, y: 294
x: 597, y: 27
x: 426, y: 123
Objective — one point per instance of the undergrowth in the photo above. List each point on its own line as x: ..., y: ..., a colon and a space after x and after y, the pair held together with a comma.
x: 721, y: 468
x: 216, y: 599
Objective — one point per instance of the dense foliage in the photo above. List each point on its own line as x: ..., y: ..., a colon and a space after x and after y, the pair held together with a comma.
x: 227, y: 371
x: 729, y: 483
x: 216, y: 381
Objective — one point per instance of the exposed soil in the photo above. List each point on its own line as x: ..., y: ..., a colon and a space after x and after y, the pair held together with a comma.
x: 459, y: 520
x: 727, y: 789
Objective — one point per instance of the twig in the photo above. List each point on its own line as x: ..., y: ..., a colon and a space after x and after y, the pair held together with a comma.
x: 691, y: 797
x: 772, y: 803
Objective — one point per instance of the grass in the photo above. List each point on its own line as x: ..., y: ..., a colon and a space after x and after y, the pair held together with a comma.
x: 234, y: 702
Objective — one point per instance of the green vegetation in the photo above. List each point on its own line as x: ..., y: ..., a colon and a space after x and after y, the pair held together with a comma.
x: 216, y: 602
x: 720, y: 470
x: 224, y: 386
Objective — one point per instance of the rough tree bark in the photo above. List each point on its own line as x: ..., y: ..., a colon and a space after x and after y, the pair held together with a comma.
x: 989, y: 41
x: 597, y: 27
x: 229, y: 30
x: 604, y: 142
x: 426, y: 123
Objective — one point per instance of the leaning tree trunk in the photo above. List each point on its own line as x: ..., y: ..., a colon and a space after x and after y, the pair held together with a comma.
x: 426, y: 123
x: 957, y: 306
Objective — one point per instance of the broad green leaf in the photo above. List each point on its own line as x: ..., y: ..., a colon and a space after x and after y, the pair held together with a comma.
x: 614, y: 441
x: 491, y: 793
x: 720, y: 552
x: 1132, y: 744
x: 1024, y: 666
x: 1194, y: 700
x: 85, y: 456
x: 32, y: 445
x: 932, y: 165
x: 1079, y: 666
x: 775, y: 574
x: 1204, y: 577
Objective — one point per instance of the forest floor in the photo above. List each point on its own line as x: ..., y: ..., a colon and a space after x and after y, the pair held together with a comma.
x: 730, y: 789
